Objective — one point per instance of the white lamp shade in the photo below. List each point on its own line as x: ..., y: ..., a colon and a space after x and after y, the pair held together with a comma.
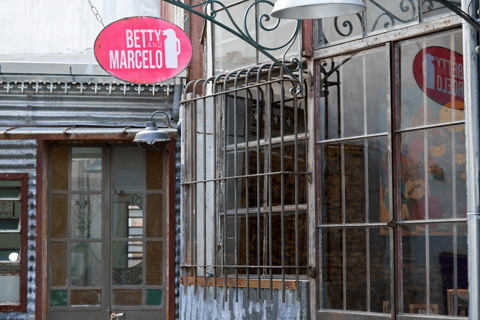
x: 315, y: 9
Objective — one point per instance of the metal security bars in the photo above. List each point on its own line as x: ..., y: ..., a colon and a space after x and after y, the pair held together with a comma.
x: 244, y: 158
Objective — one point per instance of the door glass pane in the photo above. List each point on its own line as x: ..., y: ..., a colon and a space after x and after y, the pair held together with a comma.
x: 155, y: 169
x: 154, y: 297
x: 86, y: 264
x: 128, y: 168
x: 58, y: 298
x: 332, y: 285
x: 86, y: 216
x: 127, y: 297
x: 59, y: 264
x: 154, y: 263
x: 59, y: 169
x: 86, y: 297
x: 58, y: 215
x: 86, y: 169
x: 154, y: 215
x: 380, y: 269
x: 127, y: 216
x: 127, y: 264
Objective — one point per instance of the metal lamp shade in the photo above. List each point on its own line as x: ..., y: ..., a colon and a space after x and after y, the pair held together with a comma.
x: 315, y: 9
x: 151, y: 136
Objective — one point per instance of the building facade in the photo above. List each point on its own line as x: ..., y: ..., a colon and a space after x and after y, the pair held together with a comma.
x: 87, y: 218
x: 345, y: 201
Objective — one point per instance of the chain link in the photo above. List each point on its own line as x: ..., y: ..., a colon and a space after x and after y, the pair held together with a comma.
x: 95, y: 12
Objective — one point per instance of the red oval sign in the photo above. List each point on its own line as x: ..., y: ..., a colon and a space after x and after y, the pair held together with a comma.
x: 439, y: 73
x: 143, y: 49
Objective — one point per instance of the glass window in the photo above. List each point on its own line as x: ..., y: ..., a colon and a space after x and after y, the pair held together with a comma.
x: 367, y: 217
x: 233, y: 53
x: 380, y: 15
x: 12, y: 241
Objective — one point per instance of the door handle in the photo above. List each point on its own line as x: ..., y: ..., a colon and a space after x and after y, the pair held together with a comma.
x: 115, y: 315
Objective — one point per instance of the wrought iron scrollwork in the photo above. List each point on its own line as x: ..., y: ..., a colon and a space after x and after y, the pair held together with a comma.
x: 209, y: 12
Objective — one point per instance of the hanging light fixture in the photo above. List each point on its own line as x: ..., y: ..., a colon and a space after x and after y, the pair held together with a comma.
x: 315, y: 9
x: 152, y: 137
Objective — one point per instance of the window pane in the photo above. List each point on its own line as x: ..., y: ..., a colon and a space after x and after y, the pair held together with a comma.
x: 86, y: 216
x: 86, y: 264
x: 433, y: 9
x: 385, y: 14
x: 431, y: 87
x: 154, y: 222
x: 10, y: 285
x: 155, y: 169
x: 380, y: 270
x: 154, y: 297
x: 59, y: 169
x: 332, y: 190
x: 86, y: 297
x: 9, y: 243
x: 339, y: 29
x: 59, y: 264
x: 86, y: 169
x: 356, y: 265
x: 58, y: 214
x: 354, y: 94
x: 154, y: 263
x: 127, y: 263
x: 128, y: 168
x: 127, y: 297
x: 58, y: 298
x: 231, y: 53
x: 414, y: 269
x: 332, y: 269
x: 127, y: 219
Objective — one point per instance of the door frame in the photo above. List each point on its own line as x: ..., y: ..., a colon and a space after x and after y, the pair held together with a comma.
x: 43, y: 142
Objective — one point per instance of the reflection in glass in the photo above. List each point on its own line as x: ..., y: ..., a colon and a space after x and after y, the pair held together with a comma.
x: 86, y: 216
x: 86, y: 169
x: 127, y: 262
x: 86, y: 264
x: 353, y: 94
x: 127, y: 215
x: 414, y: 268
x: 128, y: 168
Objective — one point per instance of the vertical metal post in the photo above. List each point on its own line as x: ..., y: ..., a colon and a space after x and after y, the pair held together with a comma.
x: 473, y: 160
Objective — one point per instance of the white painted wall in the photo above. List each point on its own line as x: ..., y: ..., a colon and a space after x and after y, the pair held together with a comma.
x: 60, y: 30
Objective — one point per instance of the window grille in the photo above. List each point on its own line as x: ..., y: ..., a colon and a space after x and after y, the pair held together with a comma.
x: 245, y: 182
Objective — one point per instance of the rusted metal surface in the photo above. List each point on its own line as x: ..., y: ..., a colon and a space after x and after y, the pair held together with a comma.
x: 242, y: 283
x: 196, y: 70
x: 307, y: 38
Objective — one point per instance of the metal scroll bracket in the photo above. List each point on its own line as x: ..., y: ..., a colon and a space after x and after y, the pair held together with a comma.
x: 209, y: 12
x: 464, y: 15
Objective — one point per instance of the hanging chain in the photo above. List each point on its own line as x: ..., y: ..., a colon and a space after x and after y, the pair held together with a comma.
x: 95, y: 12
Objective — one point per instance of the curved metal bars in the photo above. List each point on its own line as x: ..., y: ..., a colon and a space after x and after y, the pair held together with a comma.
x: 209, y: 13
x: 168, y: 120
x: 465, y: 16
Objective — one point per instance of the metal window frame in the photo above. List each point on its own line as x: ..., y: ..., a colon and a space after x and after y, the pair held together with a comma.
x: 22, y: 306
x: 217, y: 89
x: 392, y: 40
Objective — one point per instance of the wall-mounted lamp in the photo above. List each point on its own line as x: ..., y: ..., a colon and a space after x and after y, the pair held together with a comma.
x: 315, y: 9
x: 152, y: 137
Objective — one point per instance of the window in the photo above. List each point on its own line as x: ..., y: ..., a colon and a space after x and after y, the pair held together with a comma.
x: 392, y: 218
x: 13, y: 241
x: 232, y: 53
x: 379, y: 16
x: 245, y: 187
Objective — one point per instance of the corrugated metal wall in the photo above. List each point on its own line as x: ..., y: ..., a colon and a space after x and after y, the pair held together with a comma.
x: 49, y: 103
x: 20, y: 157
